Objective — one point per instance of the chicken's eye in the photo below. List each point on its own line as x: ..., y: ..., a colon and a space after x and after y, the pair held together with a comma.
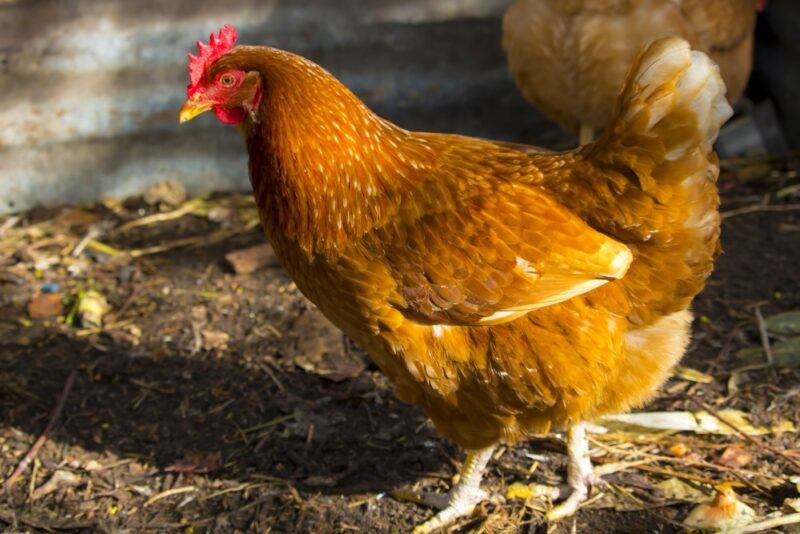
x: 227, y: 80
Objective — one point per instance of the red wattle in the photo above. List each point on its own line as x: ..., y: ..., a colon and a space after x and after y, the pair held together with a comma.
x: 229, y: 115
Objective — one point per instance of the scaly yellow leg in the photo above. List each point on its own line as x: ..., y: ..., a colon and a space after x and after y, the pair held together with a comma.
x: 580, y: 477
x: 463, y: 497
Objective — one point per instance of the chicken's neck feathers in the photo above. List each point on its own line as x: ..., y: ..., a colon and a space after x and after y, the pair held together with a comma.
x: 323, y: 166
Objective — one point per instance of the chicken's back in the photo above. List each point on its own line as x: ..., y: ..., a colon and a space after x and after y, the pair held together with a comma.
x: 570, y: 57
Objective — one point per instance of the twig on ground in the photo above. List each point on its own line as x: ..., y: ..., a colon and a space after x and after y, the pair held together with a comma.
x: 742, y: 474
x: 102, y: 248
x: 265, y: 367
x: 768, y: 524
x: 92, y: 234
x: 268, y: 424
x: 752, y: 439
x: 758, y: 207
x: 8, y: 225
x: 112, y: 317
x: 677, y: 474
x: 169, y: 493
x: 209, y: 239
x: 29, y: 457
x: 241, y: 487
x: 762, y: 331
x: 11, y: 517
x: 190, y: 206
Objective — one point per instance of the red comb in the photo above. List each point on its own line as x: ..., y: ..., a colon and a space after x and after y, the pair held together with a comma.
x: 218, y: 46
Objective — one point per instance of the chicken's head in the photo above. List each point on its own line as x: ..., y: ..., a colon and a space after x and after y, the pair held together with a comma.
x: 231, y: 93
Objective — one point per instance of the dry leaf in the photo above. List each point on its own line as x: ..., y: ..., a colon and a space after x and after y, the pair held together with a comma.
x: 733, y: 383
x: 60, y: 479
x: 693, y: 375
x: 45, y: 305
x: 319, y: 349
x: 223, y: 215
x: 673, y: 488
x: 92, y: 307
x: 698, y: 422
x: 735, y: 457
x: 93, y: 465
x: 643, y: 421
x: 75, y: 218
x: 792, y: 505
x: 128, y: 334
x: 169, y: 193
x: 709, y: 424
x: 214, y: 339
x: 195, y: 462
x: 249, y: 260
x: 199, y: 314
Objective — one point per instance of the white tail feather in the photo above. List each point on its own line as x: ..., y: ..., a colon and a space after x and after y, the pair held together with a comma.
x: 667, y: 80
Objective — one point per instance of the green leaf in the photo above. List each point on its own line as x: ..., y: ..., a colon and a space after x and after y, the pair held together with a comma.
x: 672, y: 488
x: 784, y: 323
x: 784, y: 353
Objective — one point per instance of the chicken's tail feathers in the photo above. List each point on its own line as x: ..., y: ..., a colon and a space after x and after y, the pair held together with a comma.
x: 660, y: 142
x: 670, y: 109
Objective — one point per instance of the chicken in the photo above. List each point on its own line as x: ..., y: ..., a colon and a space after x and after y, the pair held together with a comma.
x: 503, y: 289
x: 569, y: 57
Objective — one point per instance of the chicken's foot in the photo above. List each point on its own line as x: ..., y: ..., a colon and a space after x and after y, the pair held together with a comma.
x: 580, y: 477
x: 462, y: 498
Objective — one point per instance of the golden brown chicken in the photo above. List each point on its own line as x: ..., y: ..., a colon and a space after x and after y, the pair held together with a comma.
x: 504, y: 290
x: 570, y: 57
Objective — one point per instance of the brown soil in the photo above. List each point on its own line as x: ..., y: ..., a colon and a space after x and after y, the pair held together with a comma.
x: 279, y: 426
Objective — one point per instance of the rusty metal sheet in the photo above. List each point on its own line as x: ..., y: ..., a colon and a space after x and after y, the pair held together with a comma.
x: 89, y: 89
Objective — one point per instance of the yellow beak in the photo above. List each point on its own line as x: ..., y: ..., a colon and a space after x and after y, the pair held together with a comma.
x: 192, y: 108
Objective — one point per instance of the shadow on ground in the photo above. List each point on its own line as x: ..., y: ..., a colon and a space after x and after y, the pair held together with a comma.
x: 161, y: 409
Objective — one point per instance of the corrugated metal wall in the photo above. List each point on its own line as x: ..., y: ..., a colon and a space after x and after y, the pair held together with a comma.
x: 89, y: 89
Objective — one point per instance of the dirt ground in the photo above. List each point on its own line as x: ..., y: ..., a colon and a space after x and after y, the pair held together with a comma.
x: 205, y: 400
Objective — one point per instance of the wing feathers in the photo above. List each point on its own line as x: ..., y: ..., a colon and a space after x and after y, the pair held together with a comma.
x: 495, y: 258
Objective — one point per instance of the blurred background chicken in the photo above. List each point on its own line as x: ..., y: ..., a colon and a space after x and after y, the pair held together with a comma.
x: 569, y: 57
x: 504, y: 290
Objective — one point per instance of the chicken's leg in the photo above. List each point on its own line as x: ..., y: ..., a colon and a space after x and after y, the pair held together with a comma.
x: 580, y: 476
x: 585, y: 134
x: 463, y: 497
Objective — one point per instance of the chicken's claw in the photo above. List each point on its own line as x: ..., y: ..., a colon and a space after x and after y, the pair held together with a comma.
x: 461, y: 500
x: 456, y: 506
